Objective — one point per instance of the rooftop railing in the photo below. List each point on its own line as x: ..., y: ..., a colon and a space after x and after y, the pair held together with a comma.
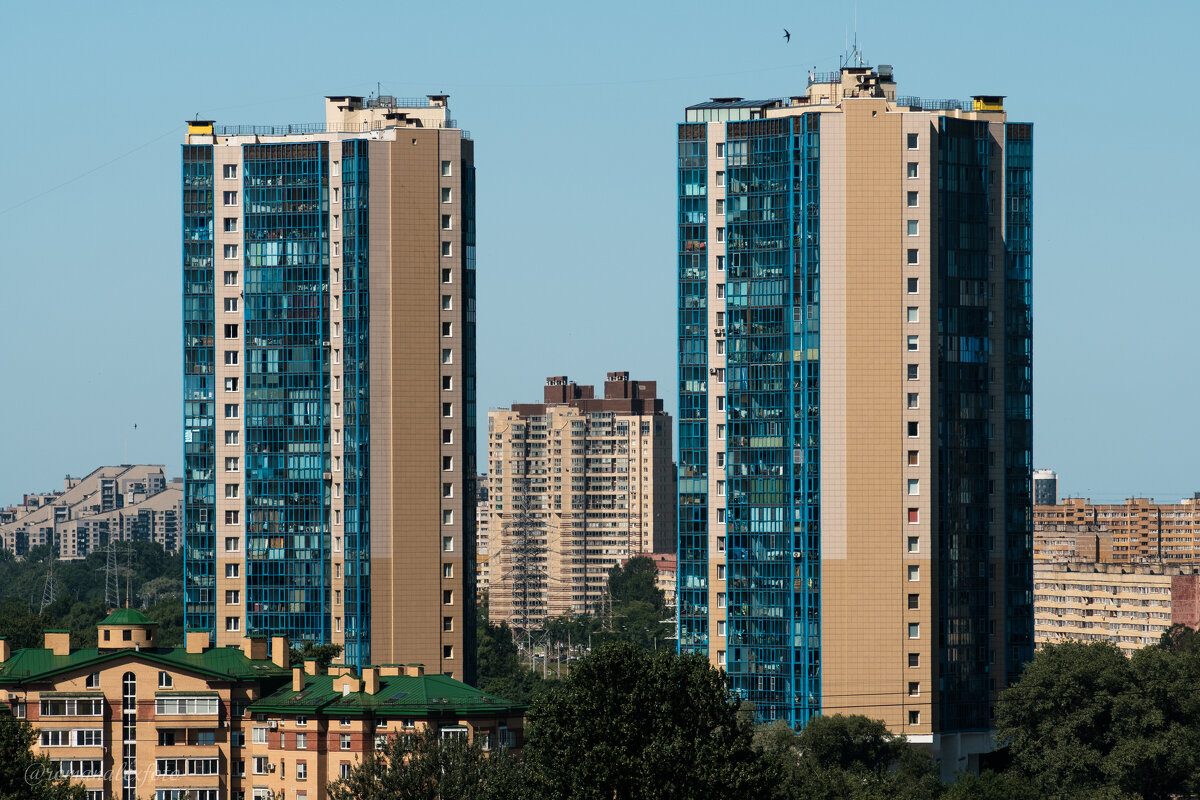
x: 323, y: 127
x: 934, y: 105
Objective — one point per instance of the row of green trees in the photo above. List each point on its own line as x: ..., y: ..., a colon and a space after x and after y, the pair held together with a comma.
x: 148, y: 577
x: 1084, y: 722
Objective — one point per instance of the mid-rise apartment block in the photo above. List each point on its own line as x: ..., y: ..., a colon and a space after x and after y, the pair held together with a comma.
x: 577, y: 485
x: 1129, y: 606
x: 329, y: 378
x: 1136, y: 531
x: 117, y: 503
x: 131, y: 719
x: 855, y: 406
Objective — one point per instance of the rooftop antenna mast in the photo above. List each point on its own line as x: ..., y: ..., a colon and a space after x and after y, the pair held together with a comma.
x: 853, y: 57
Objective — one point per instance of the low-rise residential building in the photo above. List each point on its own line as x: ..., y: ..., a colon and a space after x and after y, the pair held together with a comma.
x: 665, y: 565
x: 131, y: 720
x: 1130, y: 606
x: 126, y: 503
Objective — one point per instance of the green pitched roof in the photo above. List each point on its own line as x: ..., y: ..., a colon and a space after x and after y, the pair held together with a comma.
x: 398, y: 696
x: 36, y: 664
x: 127, y: 616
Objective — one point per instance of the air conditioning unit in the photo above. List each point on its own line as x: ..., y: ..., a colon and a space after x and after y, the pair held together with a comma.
x: 273, y: 724
x: 270, y: 767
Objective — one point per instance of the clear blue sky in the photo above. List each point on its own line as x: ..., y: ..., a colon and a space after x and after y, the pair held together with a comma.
x: 573, y: 109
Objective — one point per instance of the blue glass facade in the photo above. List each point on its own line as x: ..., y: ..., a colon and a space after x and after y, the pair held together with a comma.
x: 692, y: 565
x: 1018, y: 397
x: 357, y: 396
x: 199, y: 540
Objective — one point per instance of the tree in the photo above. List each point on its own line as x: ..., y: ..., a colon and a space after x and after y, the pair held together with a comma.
x: 636, y: 581
x: 24, y: 776
x: 323, y: 654
x: 840, y: 757
x: 1084, y: 720
x: 421, y: 766
x: 629, y: 724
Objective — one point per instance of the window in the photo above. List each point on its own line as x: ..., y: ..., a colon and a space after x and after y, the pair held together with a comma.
x: 448, y: 516
x: 233, y: 624
x: 914, y: 285
x: 231, y: 464
x: 447, y: 222
x: 337, y: 251
x: 231, y: 358
x: 230, y: 198
x: 231, y: 384
x: 914, y: 601
x: 231, y: 437
x: 914, y: 572
x: 164, y: 680
x: 447, y: 436
x: 447, y: 651
x: 231, y: 331
x: 337, y: 195
x: 720, y: 234
x: 233, y: 597
x: 337, y: 222
x: 345, y: 740
x: 447, y: 570
x: 720, y: 178
x: 720, y: 402
x: 186, y: 705
x: 71, y: 707
x: 93, y: 680
x: 914, y: 717
x: 913, y: 342
x: 721, y: 207
x: 720, y: 488
x: 301, y: 738
x: 720, y: 572
x: 232, y: 570
x: 447, y: 544
x: 344, y: 769
x: 232, y: 544
x: 912, y: 170
x: 914, y: 458
x: 720, y: 432
x: 913, y: 314
x: 447, y: 410
x: 446, y: 195
x: 447, y: 383
x: 720, y: 599
x: 447, y: 329
x: 914, y: 516
x: 259, y: 765
x: 912, y: 200
x: 446, y: 249
x: 914, y: 659
x: 914, y: 486
x: 720, y: 263
x: 914, y: 429
x: 447, y: 490
x: 720, y: 295
x: 446, y: 169
x: 914, y: 228
x: 231, y: 170
x: 231, y: 224
x: 231, y: 517
x: 913, y: 256
x: 720, y: 658
x: 301, y: 766
x: 231, y: 278
x: 914, y: 400
x: 914, y: 630
x: 912, y: 141
x: 231, y: 411
x: 231, y: 252
x: 914, y: 372
x: 447, y: 276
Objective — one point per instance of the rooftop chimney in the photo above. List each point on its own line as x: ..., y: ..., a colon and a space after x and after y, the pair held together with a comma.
x: 280, y: 652
x: 195, y: 641
x: 414, y: 670
x: 371, y: 680
x: 58, y: 642
x: 297, y: 679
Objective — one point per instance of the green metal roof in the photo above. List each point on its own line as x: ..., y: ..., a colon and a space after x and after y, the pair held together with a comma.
x: 127, y: 616
x: 398, y: 696
x: 36, y: 664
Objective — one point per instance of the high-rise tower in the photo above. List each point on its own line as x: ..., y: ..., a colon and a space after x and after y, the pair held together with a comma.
x: 329, y: 371
x: 855, y: 403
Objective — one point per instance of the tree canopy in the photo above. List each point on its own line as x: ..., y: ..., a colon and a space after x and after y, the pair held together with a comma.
x: 24, y: 776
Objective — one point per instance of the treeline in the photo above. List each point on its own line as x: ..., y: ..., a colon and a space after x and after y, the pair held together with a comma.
x: 148, y: 577
x: 1084, y: 722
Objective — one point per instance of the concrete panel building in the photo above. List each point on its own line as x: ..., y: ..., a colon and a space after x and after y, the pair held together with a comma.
x: 117, y: 503
x: 576, y: 485
x: 1136, y: 531
x: 1045, y: 487
x: 855, y: 403
x: 329, y: 360
x: 1129, y: 606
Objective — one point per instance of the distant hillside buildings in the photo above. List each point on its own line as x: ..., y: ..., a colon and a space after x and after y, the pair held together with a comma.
x: 126, y: 503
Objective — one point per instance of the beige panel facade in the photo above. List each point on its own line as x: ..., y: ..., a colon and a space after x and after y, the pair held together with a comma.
x: 576, y: 486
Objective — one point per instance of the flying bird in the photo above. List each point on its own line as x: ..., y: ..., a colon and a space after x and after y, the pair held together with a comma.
x: 787, y: 35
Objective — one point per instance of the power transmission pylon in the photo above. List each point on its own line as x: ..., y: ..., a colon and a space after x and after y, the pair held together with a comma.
x: 50, y: 589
